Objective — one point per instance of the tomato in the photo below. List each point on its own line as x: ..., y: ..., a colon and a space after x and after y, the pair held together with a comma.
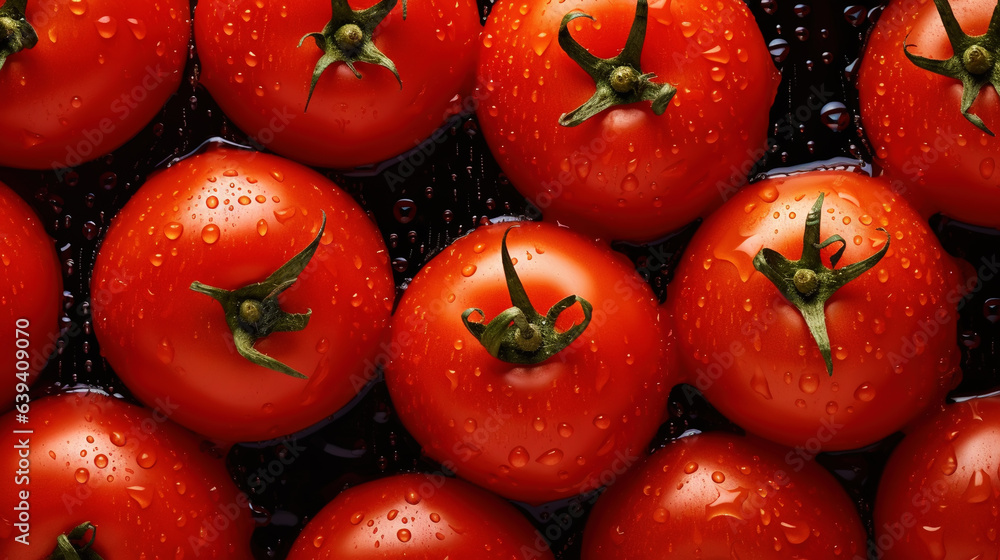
x: 937, y: 495
x: 259, y: 64
x: 532, y: 423
x: 418, y: 516
x: 630, y: 172
x: 225, y: 220
x: 722, y: 496
x: 889, y: 334
x: 914, y: 116
x: 143, y: 483
x: 99, y: 72
x: 30, y: 293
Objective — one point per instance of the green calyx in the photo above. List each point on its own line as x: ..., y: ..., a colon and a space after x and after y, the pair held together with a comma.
x: 807, y: 283
x: 252, y: 312
x: 619, y: 80
x: 16, y: 34
x: 347, y: 38
x: 75, y: 545
x: 974, y: 62
x: 521, y: 335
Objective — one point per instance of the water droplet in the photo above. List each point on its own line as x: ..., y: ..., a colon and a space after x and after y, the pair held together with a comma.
x: 778, y: 49
x: 156, y: 259
x: 980, y: 488
x: 412, y: 498
x: 933, y: 538
x: 518, y: 457
x: 949, y: 462
x: 137, y: 27
x: 210, y: 234
x: 855, y: 15
x: 540, y: 42
x: 318, y: 541
x: 565, y: 430
x: 864, y: 393
x: 78, y: 7
x: 538, y: 424
x: 82, y: 475
x: 718, y: 477
x: 796, y: 532
x: 251, y: 59
x: 262, y: 227
x: 602, y: 422
x: 987, y: 167
x: 146, y: 459
x: 758, y: 382
x: 690, y: 467
x: 550, y: 458
x: 469, y: 270
x: 173, y: 230
x: 835, y: 116
x: 661, y: 515
x: 142, y: 495
x: 106, y: 26
x: 165, y: 351
x: 118, y: 439
x: 357, y: 518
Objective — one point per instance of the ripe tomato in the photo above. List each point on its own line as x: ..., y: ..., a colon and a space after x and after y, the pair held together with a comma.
x: 630, y: 172
x: 227, y: 219
x: 914, y: 117
x: 30, y: 286
x: 722, y: 496
x: 259, y: 65
x: 526, y: 429
x: 890, y: 332
x: 417, y: 516
x: 142, y: 482
x: 100, y: 71
x: 937, y: 497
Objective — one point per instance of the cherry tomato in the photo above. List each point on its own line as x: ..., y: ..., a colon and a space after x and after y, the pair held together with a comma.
x: 536, y: 416
x: 142, y: 483
x: 714, y: 495
x: 637, y: 170
x: 213, y: 226
x: 99, y: 71
x: 914, y: 115
x: 30, y: 293
x: 757, y: 352
x: 417, y: 516
x: 937, y: 495
x: 260, y: 66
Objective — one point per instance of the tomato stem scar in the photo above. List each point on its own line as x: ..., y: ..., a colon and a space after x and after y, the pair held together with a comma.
x: 619, y: 80
x: 807, y: 283
x: 16, y: 34
x: 347, y: 38
x: 66, y: 550
x: 973, y: 62
x: 253, y: 312
x: 521, y: 335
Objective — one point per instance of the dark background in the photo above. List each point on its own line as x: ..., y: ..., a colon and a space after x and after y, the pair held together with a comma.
x: 816, y: 45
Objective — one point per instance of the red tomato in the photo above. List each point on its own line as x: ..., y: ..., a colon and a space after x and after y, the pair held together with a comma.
x: 626, y: 173
x: 531, y: 431
x: 937, y: 497
x: 228, y: 219
x: 419, y: 517
x: 30, y: 286
x: 714, y: 496
x: 141, y: 481
x: 100, y: 71
x: 891, y: 331
x: 914, y: 116
x: 255, y: 68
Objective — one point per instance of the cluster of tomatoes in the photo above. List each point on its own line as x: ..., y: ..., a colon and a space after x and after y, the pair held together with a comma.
x: 238, y: 293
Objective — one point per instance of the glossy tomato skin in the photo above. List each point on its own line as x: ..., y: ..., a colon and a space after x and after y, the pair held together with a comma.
x: 913, y: 116
x: 626, y: 173
x: 716, y: 495
x: 229, y: 218
x: 937, y: 495
x: 100, y: 72
x: 892, y: 330
x: 142, y: 481
x: 541, y: 432
x: 419, y: 517
x: 30, y: 294
x: 254, y: 69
